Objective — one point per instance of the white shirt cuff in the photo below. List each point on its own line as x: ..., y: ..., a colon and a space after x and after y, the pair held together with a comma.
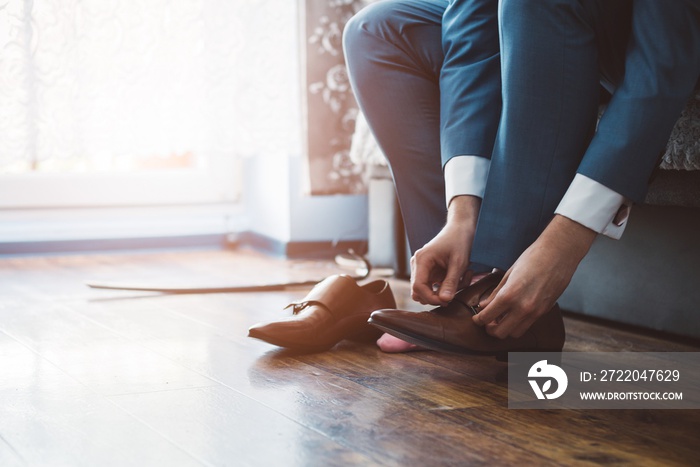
x: 595, y: 206
x: 466, y: 175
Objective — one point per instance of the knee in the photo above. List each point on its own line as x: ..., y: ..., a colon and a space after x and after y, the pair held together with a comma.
x: 352, y: 33
x: 374, y: 21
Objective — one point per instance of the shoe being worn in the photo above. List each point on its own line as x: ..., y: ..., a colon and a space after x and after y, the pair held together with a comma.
x: 450, y: 328
x: 336, y: 308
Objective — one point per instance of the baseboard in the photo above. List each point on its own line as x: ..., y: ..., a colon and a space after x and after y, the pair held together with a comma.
x: 296, y: 249
x: 112, y: 244
x: 674, y: 337
x: 259, y: 242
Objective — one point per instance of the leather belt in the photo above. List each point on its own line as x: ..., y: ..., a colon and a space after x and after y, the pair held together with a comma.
x: 361, y: 273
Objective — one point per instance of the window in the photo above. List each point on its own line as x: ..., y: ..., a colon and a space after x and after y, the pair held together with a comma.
x: 141, y: 103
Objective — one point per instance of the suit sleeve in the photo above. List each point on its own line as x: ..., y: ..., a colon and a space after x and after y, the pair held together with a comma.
x: 661, y: 70
x: 470, y: 82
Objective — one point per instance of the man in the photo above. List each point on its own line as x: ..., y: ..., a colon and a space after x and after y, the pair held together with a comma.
x: 503, y: 133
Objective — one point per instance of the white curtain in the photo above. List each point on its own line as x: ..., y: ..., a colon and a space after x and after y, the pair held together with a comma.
x: 97, y: 85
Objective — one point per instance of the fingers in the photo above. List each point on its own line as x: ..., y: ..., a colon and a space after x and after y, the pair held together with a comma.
x: 502, y: 316
x: 450, y: 284
x: 504, y: 313
x: 512, y: 324
x: 443, y: 262
x: 427, y: 272
x: 422, y: 271
x: 509, y: 314
x: 494, y: 306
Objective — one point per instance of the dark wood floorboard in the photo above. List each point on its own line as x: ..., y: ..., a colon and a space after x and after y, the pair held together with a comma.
x: 94, y: 377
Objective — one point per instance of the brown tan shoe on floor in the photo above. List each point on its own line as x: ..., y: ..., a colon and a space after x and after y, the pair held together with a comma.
x: 336, y: 308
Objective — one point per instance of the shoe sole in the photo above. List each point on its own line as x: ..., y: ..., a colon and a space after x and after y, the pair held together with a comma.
x: 433, y: 344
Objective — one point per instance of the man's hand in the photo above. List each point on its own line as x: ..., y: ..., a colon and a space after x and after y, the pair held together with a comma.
x: 445, y: 259
x: 535, y: 282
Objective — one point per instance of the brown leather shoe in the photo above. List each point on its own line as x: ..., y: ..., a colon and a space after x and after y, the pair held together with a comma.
x: 450, y: 328
x: 336, y: 308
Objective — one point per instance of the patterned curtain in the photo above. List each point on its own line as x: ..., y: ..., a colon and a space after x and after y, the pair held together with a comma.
x: 331, y: 109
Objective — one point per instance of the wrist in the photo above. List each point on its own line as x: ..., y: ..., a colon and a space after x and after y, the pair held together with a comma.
x: 569, y: 235
x: 463, y: 211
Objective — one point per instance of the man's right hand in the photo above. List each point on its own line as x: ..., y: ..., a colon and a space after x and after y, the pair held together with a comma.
x: 444, y: 261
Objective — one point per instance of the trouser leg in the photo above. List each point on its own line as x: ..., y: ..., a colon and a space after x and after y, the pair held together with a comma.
x: 550, y: 59
x: 394, y: 55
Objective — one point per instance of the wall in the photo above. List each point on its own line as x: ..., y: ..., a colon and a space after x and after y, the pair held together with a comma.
x: 275, y: 202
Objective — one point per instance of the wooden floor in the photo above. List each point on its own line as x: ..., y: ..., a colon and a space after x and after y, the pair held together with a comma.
x: 98, y: 378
